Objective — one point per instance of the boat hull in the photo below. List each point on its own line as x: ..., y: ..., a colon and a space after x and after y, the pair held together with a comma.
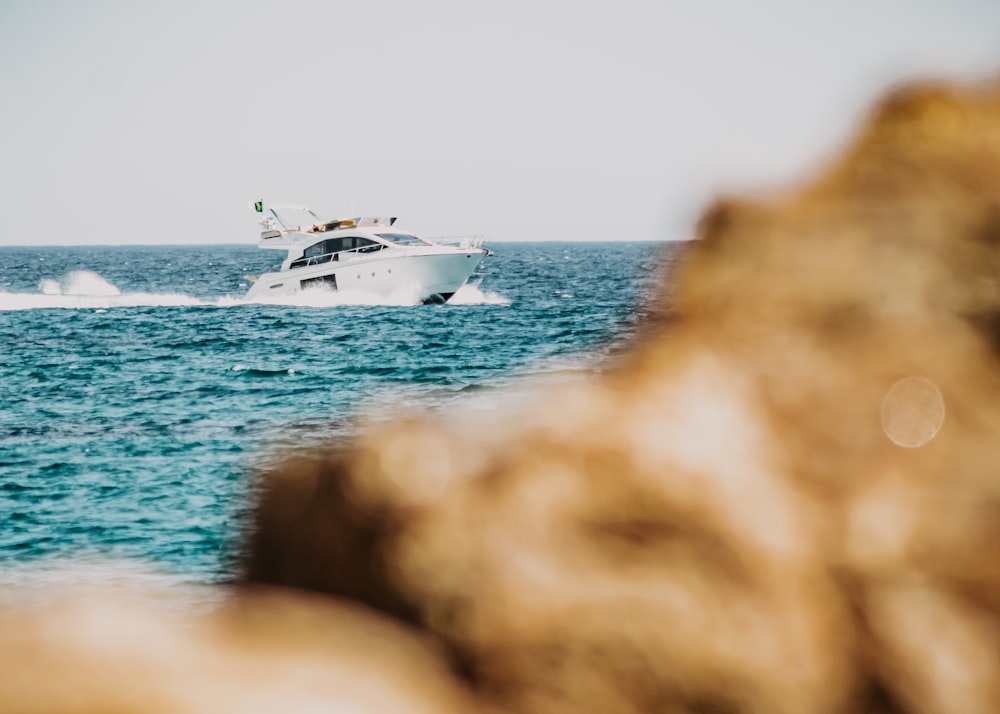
x: 428, y: 275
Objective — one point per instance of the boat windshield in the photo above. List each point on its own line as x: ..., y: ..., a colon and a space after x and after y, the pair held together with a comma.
x: 402, y: 239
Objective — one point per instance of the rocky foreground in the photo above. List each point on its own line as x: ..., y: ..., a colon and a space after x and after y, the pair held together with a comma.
x: 784, y: 497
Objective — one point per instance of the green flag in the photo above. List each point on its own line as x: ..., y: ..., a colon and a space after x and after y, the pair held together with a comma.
x: 258, y: 206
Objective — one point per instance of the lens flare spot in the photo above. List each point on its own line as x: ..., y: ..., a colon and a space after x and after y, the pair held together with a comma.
x: 912, y: 412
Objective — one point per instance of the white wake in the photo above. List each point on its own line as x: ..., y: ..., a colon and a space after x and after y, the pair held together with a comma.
x: 86, y: 290
x: 83, y: 289
x: 470, y: 294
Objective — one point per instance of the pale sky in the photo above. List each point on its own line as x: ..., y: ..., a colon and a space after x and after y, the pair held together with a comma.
x: 158, y: 122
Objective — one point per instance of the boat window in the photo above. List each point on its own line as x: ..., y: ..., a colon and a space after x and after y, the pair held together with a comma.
x: 336, y: 245
x: 324, y: 251
x: 402, y: 239
x: 328, y: 281
x: 314, y: 250
x: 358, y: 243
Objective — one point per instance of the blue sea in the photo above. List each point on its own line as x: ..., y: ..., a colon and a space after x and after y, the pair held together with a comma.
x: 139, y: 392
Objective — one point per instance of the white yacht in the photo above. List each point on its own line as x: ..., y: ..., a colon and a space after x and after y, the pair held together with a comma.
x: 358, y: 254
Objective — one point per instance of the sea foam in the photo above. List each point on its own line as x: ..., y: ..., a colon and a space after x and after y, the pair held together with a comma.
x: 84, y: 289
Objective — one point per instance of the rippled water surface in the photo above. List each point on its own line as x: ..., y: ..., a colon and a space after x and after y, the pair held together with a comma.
x: 138, y: 390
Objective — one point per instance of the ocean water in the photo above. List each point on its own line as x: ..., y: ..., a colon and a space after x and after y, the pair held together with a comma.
x: 139, y: 391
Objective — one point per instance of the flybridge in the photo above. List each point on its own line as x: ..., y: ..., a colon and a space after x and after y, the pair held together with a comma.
x: 284, y: 219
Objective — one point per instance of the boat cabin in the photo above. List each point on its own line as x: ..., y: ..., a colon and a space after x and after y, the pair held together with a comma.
x: 326, y: 250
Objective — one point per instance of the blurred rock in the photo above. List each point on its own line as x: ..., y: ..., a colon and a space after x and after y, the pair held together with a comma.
x: 783, y: 498
x: 265, y: 651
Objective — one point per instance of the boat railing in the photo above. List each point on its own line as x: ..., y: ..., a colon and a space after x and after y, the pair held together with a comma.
x: 336, y: 255
x: 461, y: 241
